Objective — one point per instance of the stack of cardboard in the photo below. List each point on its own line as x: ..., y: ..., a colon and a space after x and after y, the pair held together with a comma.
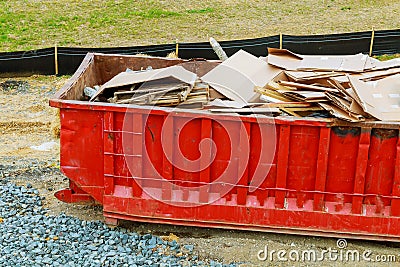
x: 170, y: 86
x: 352, y: 87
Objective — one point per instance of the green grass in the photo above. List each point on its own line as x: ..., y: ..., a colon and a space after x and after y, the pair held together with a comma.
x: 31, y: 24
x: 156, y: 13
x: 388, y: 57
x: 159, y: 13
x: 200, y: 11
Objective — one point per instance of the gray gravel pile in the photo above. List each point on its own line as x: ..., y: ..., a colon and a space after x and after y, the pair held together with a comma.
x: 30, y: 237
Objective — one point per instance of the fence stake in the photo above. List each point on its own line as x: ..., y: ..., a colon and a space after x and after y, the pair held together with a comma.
x: 280, y: 41
x: 177, y: 48
x: 56, y: 58
x: 372, y: 42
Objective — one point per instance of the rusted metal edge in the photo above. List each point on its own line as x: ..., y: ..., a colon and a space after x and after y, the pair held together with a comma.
x: 89, y: 58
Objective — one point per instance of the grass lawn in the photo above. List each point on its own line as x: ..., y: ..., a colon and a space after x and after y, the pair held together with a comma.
x: 33, y: 24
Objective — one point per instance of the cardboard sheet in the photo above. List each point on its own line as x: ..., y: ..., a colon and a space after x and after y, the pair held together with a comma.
x: 380, y: 99
x: 283, y: 58
x: 246, y: 110
x: 305, y: 95
x: 272, y: 96
x: 308, y: 86
x: 225, y: 103
x: 320, y: 63
x: 236, y: 77
x: 309, y: 75
x: 341, y: 114
x: 350, y: 63
x: 351, y: 107
x: 381, y: 65
x: 287, y: 60
x: 379, y: 74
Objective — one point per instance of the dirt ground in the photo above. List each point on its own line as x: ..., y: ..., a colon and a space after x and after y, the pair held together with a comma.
x: 26, y: 120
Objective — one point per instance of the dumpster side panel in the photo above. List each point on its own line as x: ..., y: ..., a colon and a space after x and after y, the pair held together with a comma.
x: 188, y: 169
x: 320, y: 179
x: 343, y: 151
x: 82, y: 150
x: 379, y: 176
x: 267, y: 187
x: 185, y: 142
x: 302, y: 160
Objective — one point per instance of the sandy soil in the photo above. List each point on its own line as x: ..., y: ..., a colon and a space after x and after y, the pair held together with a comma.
x: 26, y: 120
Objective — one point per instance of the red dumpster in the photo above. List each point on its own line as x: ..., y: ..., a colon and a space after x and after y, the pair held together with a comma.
x: 282, y: 174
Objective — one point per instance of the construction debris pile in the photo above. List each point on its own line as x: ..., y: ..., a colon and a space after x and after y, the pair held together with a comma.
x: 351, y: 87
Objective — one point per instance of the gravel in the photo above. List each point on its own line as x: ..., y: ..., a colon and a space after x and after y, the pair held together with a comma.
x: 29, y: 236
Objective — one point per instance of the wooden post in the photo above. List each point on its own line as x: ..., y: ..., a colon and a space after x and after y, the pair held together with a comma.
x: 177, y: 49
x: 372, y: 42
x: 56, y: 59
x: 280, y: 41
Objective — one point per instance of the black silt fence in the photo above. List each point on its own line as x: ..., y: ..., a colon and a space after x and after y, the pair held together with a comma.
x: 42, y: 61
